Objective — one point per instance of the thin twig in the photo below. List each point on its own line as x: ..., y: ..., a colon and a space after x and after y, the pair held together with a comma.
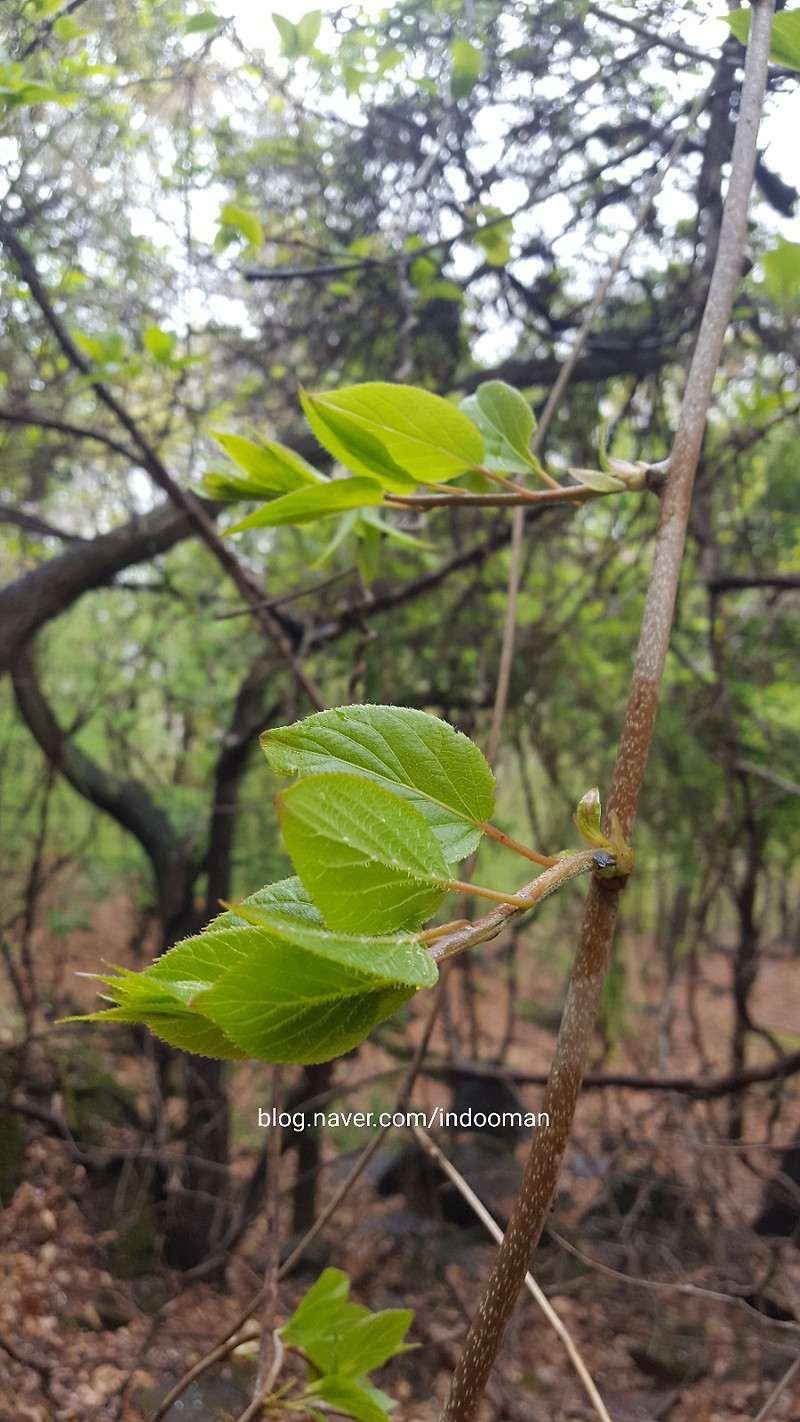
x: 557, y: 1324
x: 666, y: 1286
x: 480, y: 930
x: 553, y: 399
x: 527, y: 498
x: 48, y: 422
x: 401, y: 1103
x: 215, y: 1355
x: 282, y: 598
x: 764, y: 1412
x: 665, y: 41
x: 253, y: 1408
x: 31, y: 523
x: 267, y: 1349
x: 696, y: 1089
x: 45, y: 30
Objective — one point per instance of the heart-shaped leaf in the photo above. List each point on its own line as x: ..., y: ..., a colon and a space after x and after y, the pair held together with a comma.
x: 420, y: 757
x: 367, y: 857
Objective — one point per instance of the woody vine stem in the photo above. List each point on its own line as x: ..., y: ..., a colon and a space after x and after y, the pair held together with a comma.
x: 580, y: 1012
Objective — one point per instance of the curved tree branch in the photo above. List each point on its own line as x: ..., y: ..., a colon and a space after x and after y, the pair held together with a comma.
x: 50, y: 422
x: 247, y: 585
x: 126, y: 801
x: 37, y: 597
x: 248, y: 719
x: 695, y: 1088
x: 31, y: 523
x: 596, y: 366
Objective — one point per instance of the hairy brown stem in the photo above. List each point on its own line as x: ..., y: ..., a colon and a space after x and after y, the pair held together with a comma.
x: 580, y: 1012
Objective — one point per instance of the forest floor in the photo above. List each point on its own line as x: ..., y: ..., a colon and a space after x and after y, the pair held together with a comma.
x: 669, y: 1303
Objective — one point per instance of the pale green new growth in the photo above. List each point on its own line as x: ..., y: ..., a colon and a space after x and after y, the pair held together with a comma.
x: 393, y: 441
x: 387, y: 800
x: 507, y: 423
x: 342, y: 1342
x: 421, y: 435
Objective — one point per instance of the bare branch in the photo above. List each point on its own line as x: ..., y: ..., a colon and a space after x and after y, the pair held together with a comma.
x: 31, y: 523
x: 749, y: 767
x: 126, y: 801
x: 676, y: 46
x: 597, y: 367
x: 37, y: 597
x: 765, y: 1411
x: 734, y: 582
x: 580, y: 1012
x: 695, y: 1088
x: 49, y: 422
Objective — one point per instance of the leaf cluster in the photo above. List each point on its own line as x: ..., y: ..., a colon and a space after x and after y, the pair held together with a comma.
x: 342, y: 1342
x: 387, y: 800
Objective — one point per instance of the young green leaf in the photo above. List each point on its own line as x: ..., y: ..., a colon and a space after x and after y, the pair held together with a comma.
x: 202, y: 22
x: 278, y: 987
x: 494, y: 235
x: 355, y: 446
x: 283, y: 1004
x: 785, y: 42
x: 270, y: 468
x: 66, y: 27
x: 507, y: 424
x: 247, y: 223
x: 287, y: 898
x: 391, y: 431
x: 159, y: 343
x: 367, y: 857
x: 346, y: 525
x: 344, y: 1341
x: 308, y: 29
x: 229, y: 488
x: 393, y: 959
x: 368, y: 549
x: 420, y: 757
x: 310, y: 505
x: 365, y: 1343
x: 140, y: 997
x: 349, y: 1397
x: 389, y: 530
x: 781, y: 268
x: 588, y: 817
x: 597, y: 480
x: 298, y: 40
x: 322, y: 1307
x: 465, y: 68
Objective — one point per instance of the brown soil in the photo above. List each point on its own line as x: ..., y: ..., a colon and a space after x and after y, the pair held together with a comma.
x: 653, y: 1194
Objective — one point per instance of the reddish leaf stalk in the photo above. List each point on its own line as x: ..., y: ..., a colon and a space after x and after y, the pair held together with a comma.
x: 580, y: 1013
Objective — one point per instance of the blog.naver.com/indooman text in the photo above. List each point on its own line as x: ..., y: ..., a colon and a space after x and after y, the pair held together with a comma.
x: 467, y: 1120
